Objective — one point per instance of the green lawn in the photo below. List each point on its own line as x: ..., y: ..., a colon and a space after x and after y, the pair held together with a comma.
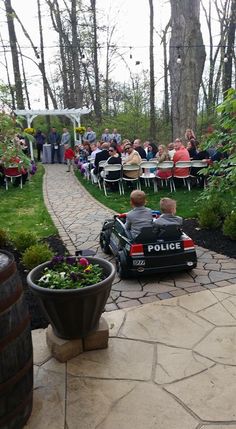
x: 24, y: 209
x: 187, y: 205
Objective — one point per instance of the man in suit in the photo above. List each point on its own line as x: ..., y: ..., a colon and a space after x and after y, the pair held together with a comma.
x: 106, y: 136
x: 89, y: 135
x: 103, y: 155
x: 116, y: 137
x: 54, y: 139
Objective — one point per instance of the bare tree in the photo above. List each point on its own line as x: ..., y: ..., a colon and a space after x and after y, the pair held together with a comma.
x: 185, y: 78
x: 14, y: 53
x: 11, y: 89
x: 152, y: 78
x: 97, y: 105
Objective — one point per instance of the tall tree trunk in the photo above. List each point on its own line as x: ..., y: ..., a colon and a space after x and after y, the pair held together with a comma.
x: 152, y: 78
x: 14, y: 53
x: 166, y: 85
x: 75, y: 58
x: 45, y: 91
x: 24, y: 78
x: 227, y: 73
x: 64, y: 43
x: 185, y: 78
x: 97, y: 104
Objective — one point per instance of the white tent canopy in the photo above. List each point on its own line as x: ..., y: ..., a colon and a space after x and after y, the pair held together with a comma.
x: 73, y: 114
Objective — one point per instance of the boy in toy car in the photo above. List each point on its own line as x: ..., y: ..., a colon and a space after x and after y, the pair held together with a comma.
x: 140, y: 216
x: 168, y: 216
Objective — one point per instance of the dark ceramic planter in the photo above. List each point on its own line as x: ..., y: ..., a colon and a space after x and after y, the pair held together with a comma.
x: 74, y: 313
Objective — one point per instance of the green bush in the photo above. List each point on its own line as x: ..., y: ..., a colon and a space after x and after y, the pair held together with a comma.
x: 36, y: 254
x: 23, y: 240
x: 3, y: 237
x: 212, y: 213
x: 229, y: 227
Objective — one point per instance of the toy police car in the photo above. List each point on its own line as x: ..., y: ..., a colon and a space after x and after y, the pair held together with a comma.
x: 156, y: 249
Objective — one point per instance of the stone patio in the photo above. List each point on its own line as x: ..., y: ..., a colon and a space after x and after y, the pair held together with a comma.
x: 170, y: 364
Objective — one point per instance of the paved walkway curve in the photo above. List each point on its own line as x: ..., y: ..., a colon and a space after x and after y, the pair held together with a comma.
x: 79, y: 218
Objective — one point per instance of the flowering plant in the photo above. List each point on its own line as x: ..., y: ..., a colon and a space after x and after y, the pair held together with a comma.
x: 80, y: 130
x: 70, y: 273
x: 29, y: 130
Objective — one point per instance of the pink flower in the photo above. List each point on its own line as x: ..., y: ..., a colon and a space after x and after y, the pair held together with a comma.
x: 84, y: 262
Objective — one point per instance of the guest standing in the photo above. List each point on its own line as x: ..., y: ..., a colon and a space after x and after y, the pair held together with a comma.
x: 54, y: 139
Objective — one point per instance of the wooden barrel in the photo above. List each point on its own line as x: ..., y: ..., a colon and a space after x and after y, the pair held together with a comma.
x: 16, y: 354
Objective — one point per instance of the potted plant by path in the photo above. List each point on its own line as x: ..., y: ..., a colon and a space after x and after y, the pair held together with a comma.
x: 73, y: 292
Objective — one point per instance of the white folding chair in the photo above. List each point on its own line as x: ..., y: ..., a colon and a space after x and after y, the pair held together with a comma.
x: 198, y: 164
x: 100, y: 169
x: 111, y: 168
x: 183, y: 175
x: 128, y: 168
x: 148, y: 173
x: 165, y: 167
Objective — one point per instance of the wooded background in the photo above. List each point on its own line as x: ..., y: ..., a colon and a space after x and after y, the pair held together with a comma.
x: 196, y: 76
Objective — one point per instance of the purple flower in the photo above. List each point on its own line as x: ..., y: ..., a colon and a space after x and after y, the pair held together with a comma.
x: 56, y: 260
x: 84, y: 262
x: 70, y: 260
x: 73, y: 276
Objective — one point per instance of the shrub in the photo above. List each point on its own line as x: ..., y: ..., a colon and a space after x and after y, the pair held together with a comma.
x: 36, y: 254
x: 3, y: 237
x: 23, y: 240
x: 229, y: 227
x: 213, y: 213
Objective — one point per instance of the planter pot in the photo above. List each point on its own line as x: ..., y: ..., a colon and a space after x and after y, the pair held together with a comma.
x: 74, y: 313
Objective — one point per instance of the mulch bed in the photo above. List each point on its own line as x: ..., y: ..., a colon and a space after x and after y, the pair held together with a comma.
x: 212, y: 240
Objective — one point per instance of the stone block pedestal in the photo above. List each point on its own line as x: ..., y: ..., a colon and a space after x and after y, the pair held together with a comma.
x: 64, y: 350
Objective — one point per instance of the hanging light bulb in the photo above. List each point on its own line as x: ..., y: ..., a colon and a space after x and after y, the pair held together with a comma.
x: 130, y: 54
x: 226, y: 58
x: 83, y: 59
x: 179, y: 59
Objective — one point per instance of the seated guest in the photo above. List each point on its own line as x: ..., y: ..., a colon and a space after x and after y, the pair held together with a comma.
x: 137, y: 145
x: 114, y: 158
x: 181, y: 154
x: 132, y: 157
x: 151, y: 151
x: 171, y: 150
x: 168, y: 216
x: 103, y: 155
x: 140, y: 216
x: 163, y: 155
x: 192, y: 149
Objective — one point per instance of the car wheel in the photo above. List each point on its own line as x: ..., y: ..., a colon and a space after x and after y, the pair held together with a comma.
x: 121, y: 266
x: 105, y: 241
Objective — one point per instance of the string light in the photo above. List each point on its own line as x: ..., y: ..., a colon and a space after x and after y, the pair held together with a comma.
x: 226, y: 58
x: 179, y: 61
x: 130, y: 55
x: 83, y: 59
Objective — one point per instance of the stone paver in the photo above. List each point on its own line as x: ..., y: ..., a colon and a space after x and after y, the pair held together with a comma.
x: 79, y: 219
x: 169, y: 363
x: 166, y: 366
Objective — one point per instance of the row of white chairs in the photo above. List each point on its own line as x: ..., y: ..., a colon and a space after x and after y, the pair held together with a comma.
x: 148, y: 171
